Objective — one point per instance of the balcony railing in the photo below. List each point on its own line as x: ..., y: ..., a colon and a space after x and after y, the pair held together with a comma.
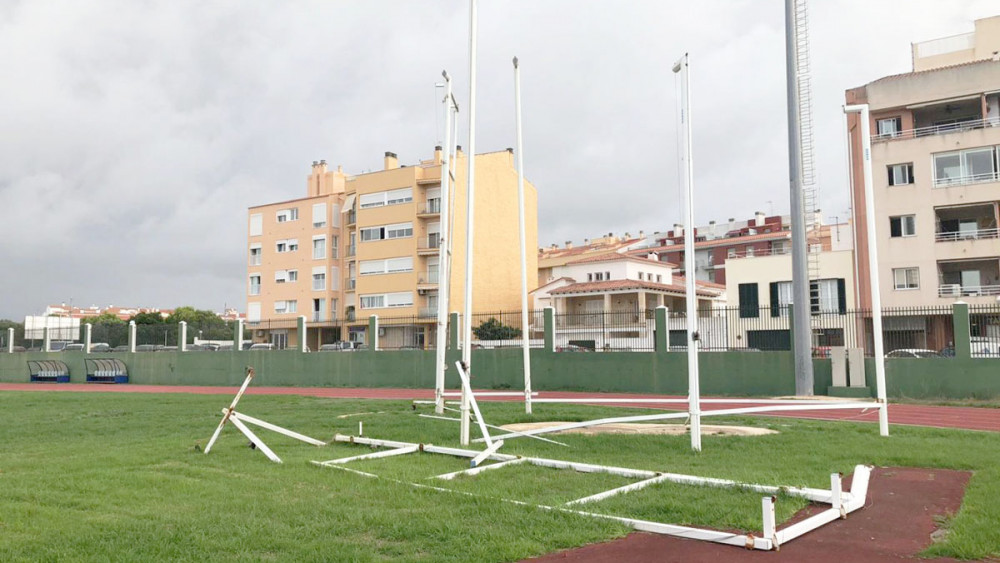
x: 428, y: 277
x: 352, y: 250
x: 352, y: 217
x: 967, y: 179
x: 938, y: 129
x: 430, y: 207
x: 428, y: 312
x: 758, y: 252
x: 429, y: 243
x: 959, y: 290
x: 350, y: 283
x: 949, y: 236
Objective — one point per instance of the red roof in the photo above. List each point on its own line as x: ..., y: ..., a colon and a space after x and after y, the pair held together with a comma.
x: 612, y: 285
x: 730, y: 241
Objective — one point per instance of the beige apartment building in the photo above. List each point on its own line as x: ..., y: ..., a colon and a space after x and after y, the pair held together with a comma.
x: 370, y: 244
x: 935, y: 153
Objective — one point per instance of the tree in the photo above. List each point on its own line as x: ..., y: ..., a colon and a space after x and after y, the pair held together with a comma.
x: 147, y: 318
x: 103, y: 319
x: 495, y: 330
x: 193, y: 316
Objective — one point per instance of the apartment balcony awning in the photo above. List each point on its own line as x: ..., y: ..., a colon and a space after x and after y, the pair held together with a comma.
x: 348, y: 203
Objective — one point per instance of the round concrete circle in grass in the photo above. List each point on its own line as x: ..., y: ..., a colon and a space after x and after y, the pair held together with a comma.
x: 640, y: 428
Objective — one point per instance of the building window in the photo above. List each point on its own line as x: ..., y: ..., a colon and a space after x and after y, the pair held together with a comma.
x: 906, y: 278
x: 319, y: 247
x: 890, y: 127
x: 750, y: 252
x: 386, y: 266
x: 255, y: 255
x: 391, y: 197
x: 290, y: 214
x: 334, y: 244
x: 599, y: 276
x: 390, y: 300
x: 781, y: 298
x: 828, y: 296
x: 255, y: 284
x: 903, y: 226
x: 282, y: 276
x: 253, y: 312
x: 640, y: 276
x: 607, y: 275
x: 590, y: 277
x: 749, y: 303
x: 386, y: 232
x: 900, y: 174
x: 659, y: 278
x: 779, y: 247
x: 290, y: 245
x: 731, y: 253
x: 293, y: 276
x: 319, y: 215
x: 256, y: 225
x: 319, y: 281
x: 286, y: 307
x: 965, y: 167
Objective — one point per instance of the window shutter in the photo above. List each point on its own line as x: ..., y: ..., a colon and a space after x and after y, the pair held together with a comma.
x: 841, y: 296
x: 749, y: 305
x: 775, y: 305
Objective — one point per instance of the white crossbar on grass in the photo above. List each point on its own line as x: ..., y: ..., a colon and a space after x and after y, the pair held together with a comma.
x: 255, y: 440
x: 677, y: 415
x: 384, y: 453
x: 771, y: 538
x: 642, y: 400
x: 475, y: 404
x: 435, y: 417
x: 276, y: 428
x: 485, y: 454
x: 479, y: 469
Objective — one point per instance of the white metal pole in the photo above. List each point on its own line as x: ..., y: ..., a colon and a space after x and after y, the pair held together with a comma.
x: 866, y: 157
x: 525, y: 345
x: 444, y: 257
x: 694, y: 390
x: 469, y: 222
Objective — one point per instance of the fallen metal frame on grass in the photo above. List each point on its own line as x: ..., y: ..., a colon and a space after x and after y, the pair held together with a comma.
x: 241, y: 420
x: 841, y: 503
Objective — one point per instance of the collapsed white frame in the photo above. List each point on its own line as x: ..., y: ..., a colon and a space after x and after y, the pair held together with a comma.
x: 841, y: 503
x: 241, y: 420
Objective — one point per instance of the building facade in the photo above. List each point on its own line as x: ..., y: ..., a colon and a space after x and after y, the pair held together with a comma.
x: 935, y: 135
x: 370, y: 244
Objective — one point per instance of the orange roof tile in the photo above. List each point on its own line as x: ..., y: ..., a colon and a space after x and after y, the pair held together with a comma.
x: 612, y: 285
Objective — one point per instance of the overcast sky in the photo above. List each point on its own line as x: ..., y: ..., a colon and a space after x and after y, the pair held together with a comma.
x: 134, y: 135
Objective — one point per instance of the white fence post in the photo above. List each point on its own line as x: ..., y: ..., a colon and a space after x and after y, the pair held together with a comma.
x: 131, y: 336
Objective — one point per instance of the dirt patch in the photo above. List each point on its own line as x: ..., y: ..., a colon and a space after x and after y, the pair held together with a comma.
x: 903, y: 508
x: 639, y: 428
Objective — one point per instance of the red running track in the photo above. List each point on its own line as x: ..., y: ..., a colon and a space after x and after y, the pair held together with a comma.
x: 969, y: 418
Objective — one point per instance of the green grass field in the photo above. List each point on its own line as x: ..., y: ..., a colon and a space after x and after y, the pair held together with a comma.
x: 95, y: 476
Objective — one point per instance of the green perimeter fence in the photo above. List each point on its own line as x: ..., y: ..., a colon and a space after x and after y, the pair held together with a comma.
x: 968, y: 373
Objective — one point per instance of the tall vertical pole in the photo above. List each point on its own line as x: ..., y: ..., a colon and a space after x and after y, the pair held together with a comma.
x: 525, y: 345
x: 691, y: 297
x: 444, y: 257
x: 800, y: 267
x: 866, y: 158
x: 469, y: 225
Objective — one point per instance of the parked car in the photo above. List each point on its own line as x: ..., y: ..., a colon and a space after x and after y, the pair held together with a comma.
x: 572, y: 348
x: 913, y: 353
x: 149, y: 347
x: 262, y: 346
x: 73, y: 347
x: 984, y: 347
x: 336, y: 347
x: 18, y: 349
x: 120, y: 348
x: 99, y: 347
